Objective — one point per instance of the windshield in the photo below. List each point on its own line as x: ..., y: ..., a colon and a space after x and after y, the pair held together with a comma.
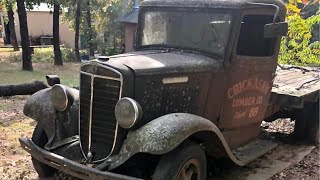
x: 202, y: 31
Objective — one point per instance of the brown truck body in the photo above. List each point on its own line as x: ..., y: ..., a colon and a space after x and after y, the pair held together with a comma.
x: 204, y: 74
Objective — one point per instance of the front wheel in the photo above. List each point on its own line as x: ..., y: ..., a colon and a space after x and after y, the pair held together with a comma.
x: 40, y: 139
x: 187, y: 162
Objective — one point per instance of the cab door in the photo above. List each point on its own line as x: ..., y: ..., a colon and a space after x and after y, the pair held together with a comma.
x: 249, y: 79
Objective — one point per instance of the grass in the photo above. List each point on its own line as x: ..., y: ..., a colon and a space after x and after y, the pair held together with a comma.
x: 44, y: 55
x: 6, y: 50
x: 11, y: 73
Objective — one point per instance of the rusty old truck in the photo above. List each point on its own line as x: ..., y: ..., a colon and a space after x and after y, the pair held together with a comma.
x: 203, y: 77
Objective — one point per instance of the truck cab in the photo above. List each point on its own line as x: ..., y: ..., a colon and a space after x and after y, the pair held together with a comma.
x: 196, y: 87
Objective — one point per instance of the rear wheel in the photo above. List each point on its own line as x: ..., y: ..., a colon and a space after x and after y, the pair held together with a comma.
x: 187, y: 162
x: 40, y: 139
x: 307, y: 123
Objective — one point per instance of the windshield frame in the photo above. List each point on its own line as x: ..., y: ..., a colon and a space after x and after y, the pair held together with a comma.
x: 143, y: 10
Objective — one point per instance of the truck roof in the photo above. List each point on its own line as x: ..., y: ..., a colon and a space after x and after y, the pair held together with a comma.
x: 212, y: 3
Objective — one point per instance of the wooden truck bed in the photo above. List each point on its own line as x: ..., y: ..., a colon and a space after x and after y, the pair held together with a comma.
x: 296, y: 83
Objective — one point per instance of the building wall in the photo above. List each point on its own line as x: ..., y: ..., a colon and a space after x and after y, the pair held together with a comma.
x: 130, y: 31
x: 40, y: 24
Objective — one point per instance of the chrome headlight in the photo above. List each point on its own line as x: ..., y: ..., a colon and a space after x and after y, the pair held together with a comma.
x: 60, y: 97
x: 128, y: 112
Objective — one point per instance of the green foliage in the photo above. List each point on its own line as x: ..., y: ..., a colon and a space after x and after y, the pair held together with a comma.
x: 297, y: 48
x: 43, y: 55
x: 106, y: 29
x: 47, y: 55
x: 6, y: 5
x: 6, y: 50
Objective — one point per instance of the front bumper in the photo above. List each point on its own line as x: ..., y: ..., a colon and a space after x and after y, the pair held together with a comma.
x: 67, y: 166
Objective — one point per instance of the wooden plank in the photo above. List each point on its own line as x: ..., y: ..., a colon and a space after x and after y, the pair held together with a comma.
x: 304, y: 83
x: 283, y: 79
x: 288, y: 81
x: 289, y: 74
x: 297, y: 79
x: 306, y: 91
x: 292, y: 91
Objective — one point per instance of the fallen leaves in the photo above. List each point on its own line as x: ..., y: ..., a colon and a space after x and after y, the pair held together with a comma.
x: 307, y: 169
x: 15, y: 163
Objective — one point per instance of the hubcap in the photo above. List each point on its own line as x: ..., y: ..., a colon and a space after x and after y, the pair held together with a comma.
x: 190, y: 170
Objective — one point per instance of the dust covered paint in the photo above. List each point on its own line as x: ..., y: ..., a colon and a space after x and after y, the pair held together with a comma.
x: 57, y: 125
x: 163, y: 134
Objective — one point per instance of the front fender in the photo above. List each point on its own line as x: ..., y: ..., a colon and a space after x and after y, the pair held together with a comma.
x: 56, y: 126
x: 39, y: 106
x: 164, y: 134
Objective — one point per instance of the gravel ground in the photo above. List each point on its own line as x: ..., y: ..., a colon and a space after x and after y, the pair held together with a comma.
x: 16, y: 164
x: 307, y: 169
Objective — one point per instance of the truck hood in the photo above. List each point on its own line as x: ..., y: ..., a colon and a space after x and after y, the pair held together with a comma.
x: 164, y: 62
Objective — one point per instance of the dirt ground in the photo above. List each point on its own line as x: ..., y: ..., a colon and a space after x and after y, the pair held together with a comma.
x: 307, y: 169
x: 16, y: 164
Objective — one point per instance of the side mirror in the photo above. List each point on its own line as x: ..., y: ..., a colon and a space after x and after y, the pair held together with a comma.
x: 275, y: 29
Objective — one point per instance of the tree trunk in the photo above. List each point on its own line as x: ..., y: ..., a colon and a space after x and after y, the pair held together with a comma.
x: 13, y: 36
x: 90, y: 42
x: 56, y: 35
x: 77, y: 30
x: 24, y: 32
x: 22, y: 89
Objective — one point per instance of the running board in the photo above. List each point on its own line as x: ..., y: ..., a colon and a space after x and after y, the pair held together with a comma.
x: 253, y: 150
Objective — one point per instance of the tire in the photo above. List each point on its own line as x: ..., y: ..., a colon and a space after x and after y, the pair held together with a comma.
x: 187, y: 158
x: 307, y: 123
x: 40, y: 139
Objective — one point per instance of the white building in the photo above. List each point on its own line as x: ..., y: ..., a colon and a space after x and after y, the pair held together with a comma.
x: 40, y: 23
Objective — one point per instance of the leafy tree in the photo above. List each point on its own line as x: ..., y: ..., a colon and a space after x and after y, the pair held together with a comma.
x: 297, y: 48
x: 108, y: 27
x: 9, y: 6
x: 104, y: 32
x: 24, y: 32
x: 74, y: 17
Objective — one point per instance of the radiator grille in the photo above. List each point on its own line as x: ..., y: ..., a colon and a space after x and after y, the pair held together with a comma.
x: 98, y: 126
